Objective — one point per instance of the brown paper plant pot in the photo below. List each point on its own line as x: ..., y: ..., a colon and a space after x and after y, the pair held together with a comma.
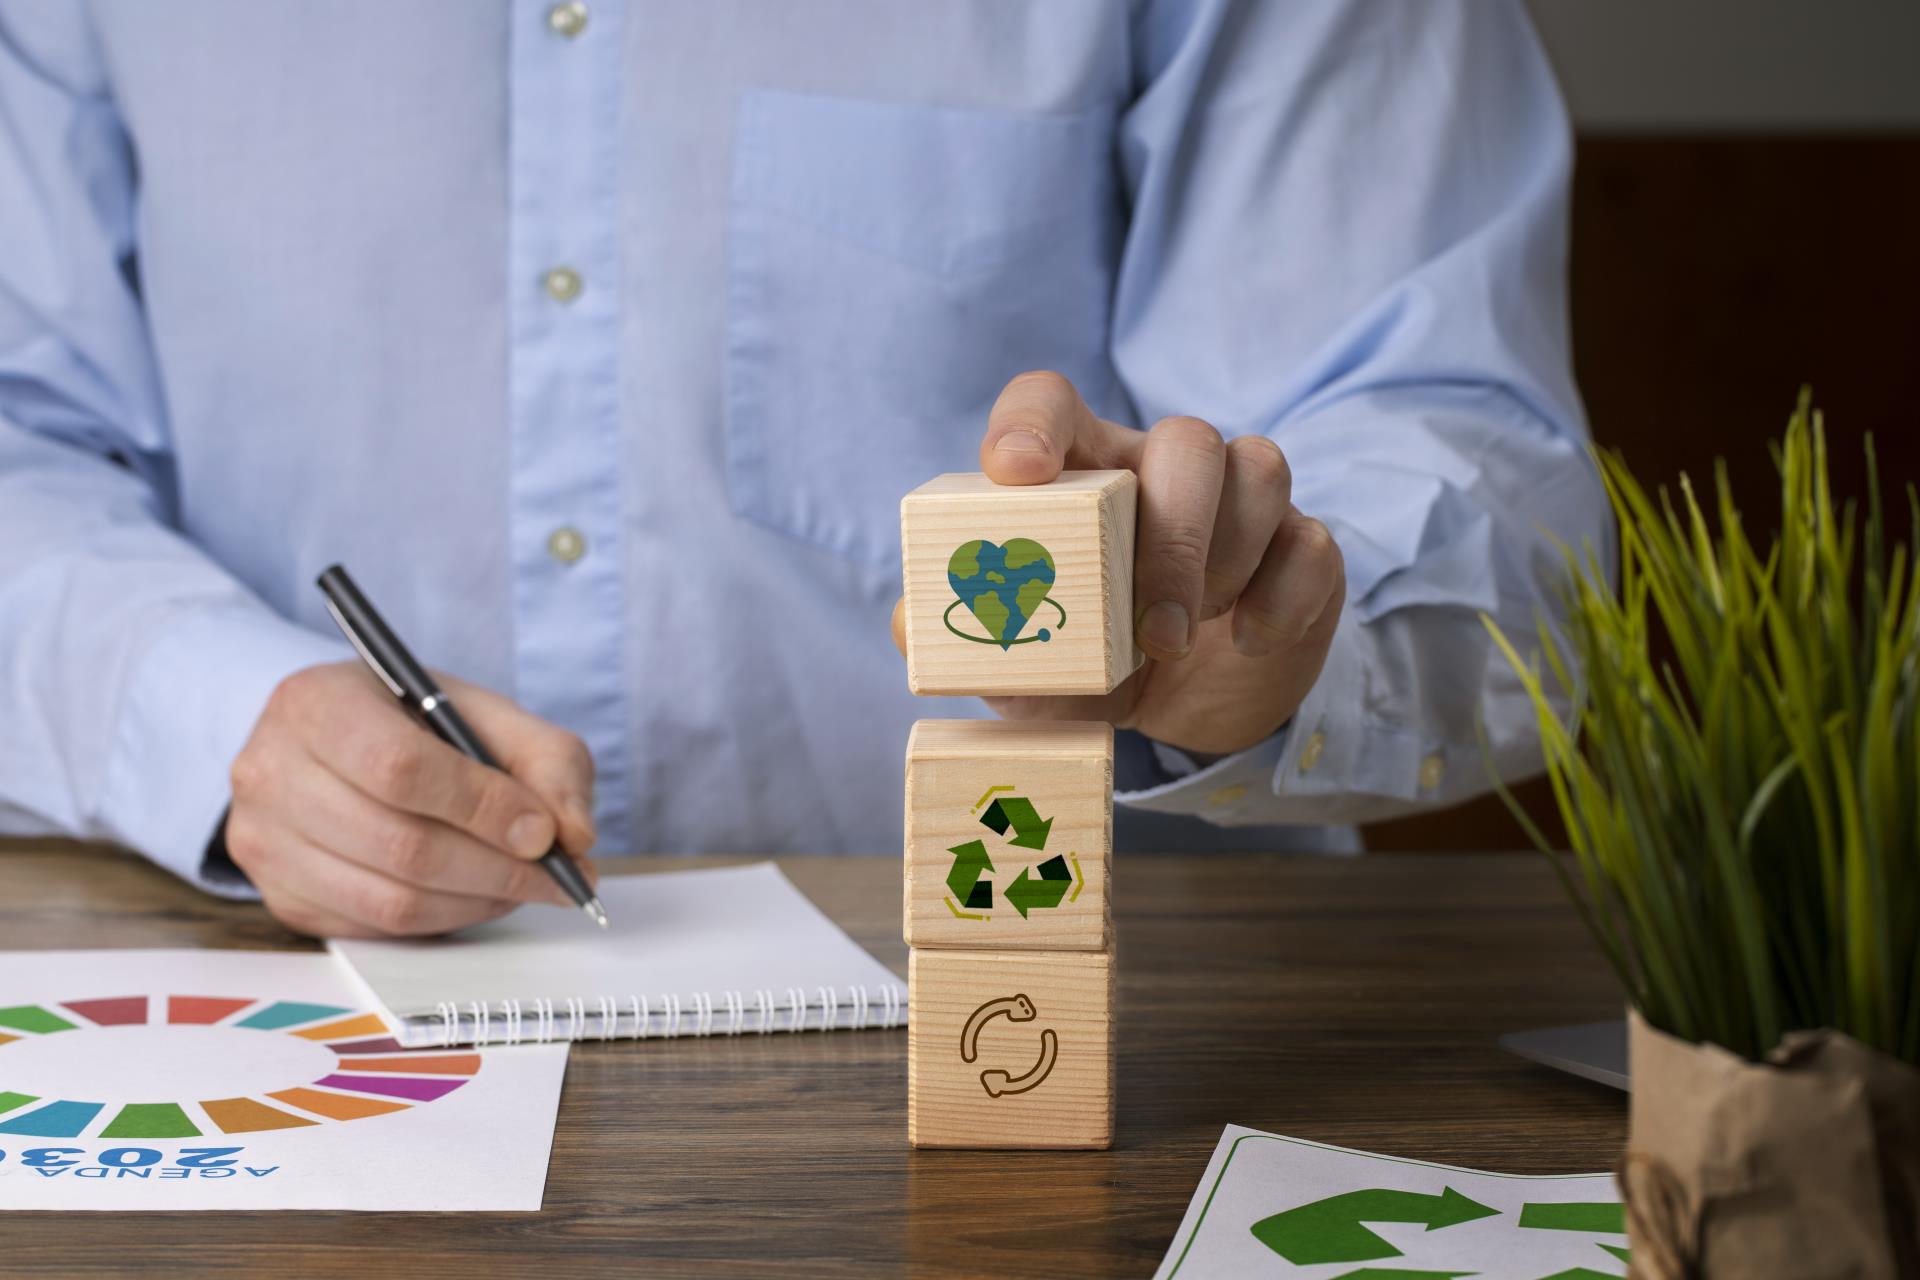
x: 1805, y: 1165
x: 1733, y: 762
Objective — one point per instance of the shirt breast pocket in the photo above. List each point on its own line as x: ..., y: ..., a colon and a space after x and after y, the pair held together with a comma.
x: 890, y: 266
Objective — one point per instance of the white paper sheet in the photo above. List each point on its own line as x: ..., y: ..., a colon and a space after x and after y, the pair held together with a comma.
x: 718, y: 939
x: 1283, y: 1207
x: 147, y: 1080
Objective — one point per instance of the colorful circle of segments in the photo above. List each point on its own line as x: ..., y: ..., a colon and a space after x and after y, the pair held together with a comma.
x: 1003, y: 587
x: 373, y: 1074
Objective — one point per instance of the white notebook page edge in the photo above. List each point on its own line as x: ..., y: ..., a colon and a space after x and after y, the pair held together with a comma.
x: 679, y: 933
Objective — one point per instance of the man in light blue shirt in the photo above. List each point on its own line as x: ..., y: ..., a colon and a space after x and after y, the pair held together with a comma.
x: 600, y: 340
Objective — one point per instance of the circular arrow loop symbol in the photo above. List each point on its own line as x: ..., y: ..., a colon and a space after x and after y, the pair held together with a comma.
x: 1014, y: 1008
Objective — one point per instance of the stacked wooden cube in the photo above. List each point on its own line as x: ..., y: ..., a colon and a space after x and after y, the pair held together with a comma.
x: 1022, y: 592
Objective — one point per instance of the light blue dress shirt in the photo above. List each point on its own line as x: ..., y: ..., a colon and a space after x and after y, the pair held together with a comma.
x: 602, y: 341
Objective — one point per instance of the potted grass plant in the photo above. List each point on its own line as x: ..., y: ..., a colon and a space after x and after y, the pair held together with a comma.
x: 1739, y: 776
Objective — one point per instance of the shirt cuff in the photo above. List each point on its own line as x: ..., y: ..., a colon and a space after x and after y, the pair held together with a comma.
x: 1330, y: 763
x: 188, y: 706
x: 1228, y: 792
x: 1351, y: 761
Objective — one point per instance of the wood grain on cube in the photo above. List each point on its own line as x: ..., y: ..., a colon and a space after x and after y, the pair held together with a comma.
x: 1073, y: 634
x: 1009, y: 834
x: 1038, y: 1027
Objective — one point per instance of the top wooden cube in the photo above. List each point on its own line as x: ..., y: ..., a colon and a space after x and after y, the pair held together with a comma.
x: 1019, y: 590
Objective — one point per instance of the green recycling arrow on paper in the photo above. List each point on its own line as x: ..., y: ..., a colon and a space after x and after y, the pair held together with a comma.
x: 1330, y: 1230
x: 1035, y: 888
x: 1608, y: 1217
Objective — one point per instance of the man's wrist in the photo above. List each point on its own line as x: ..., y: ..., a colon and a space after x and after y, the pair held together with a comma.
x: 217, y: 866
x: 1143, y: 764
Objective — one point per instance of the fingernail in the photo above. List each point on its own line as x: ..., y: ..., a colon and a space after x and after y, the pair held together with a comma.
x: 528, y: 836
x: 1164, y: 627
x: 1020, y: 442
x: 1254, y: 636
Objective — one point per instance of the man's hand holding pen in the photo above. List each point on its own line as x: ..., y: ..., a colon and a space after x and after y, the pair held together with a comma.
x: 353, y: 821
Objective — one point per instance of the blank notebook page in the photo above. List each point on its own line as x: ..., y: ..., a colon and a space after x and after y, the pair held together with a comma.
x: 737, y: 949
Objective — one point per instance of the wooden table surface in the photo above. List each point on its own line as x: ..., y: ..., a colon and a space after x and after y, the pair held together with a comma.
x: 1348, y: 1000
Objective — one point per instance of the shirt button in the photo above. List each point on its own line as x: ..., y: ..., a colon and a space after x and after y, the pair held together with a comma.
x: 567, y: 20
x: 1432, y: 770
x: 566, y: 544
x: 1228, y: 795
x: 1311, y: 749
x: 562, y: 283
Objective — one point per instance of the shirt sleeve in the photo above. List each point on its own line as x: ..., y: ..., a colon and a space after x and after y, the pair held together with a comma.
x: 132, y: 667
x: 1348, y: 232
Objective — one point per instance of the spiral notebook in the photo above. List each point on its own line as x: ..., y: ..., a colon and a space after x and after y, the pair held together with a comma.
x: 688, y: 953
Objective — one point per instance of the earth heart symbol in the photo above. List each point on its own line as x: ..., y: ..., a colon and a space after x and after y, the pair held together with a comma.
x: 1003, y: 587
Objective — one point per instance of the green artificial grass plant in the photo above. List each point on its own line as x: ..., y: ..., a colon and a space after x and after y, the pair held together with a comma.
x: 1745, y: 816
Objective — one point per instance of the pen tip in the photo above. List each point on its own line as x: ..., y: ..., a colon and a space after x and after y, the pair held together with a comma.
x: 596, y: 912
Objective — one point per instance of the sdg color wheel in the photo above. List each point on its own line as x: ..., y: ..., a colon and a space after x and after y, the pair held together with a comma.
x: 370, y: 1074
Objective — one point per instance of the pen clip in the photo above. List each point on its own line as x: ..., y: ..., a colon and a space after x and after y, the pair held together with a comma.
x: 354, y: 640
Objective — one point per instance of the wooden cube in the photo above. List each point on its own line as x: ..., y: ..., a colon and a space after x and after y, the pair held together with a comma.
x: 1010, y: 1049
x: 1019, y: 589
x: 1009, y: 841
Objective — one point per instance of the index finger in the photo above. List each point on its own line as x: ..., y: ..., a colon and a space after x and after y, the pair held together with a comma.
x: 553, y: 762
x: 404, y: 766
x: 1040, y: 426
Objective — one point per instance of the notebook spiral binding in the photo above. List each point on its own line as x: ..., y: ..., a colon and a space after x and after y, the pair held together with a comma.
x: 639, y: 1017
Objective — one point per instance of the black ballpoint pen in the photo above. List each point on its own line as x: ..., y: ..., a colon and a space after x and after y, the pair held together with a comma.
x: 409, y: 681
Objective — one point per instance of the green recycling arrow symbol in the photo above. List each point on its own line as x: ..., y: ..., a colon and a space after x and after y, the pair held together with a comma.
x: 1034, y: 889
x: 1330, y: 1230
x: 970, y: 863
x: 1026, y: 893
x: 1607, y: 1217
x: 1030, y: 832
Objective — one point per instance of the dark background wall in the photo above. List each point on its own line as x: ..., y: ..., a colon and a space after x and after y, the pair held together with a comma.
x: 1738, y: 230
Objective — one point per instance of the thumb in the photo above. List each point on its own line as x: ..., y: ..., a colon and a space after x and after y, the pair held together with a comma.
x: 1032, y: 428
x: 1040, y: 426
